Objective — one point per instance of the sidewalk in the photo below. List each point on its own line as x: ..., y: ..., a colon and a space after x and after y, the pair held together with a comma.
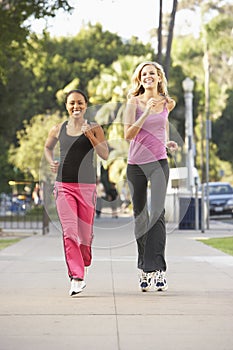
x: 112, y: 314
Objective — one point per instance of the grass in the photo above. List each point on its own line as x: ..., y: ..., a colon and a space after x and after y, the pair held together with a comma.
x: 5, y: 242
x: 225, y: 244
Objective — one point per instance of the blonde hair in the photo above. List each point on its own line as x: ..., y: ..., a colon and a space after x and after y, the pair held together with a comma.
x: 138, y: 89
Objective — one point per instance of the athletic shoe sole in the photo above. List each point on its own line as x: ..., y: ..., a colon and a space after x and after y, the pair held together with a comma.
x: 161, y: 289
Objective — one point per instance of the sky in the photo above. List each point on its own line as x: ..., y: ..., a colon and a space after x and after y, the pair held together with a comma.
x: 126, y: 18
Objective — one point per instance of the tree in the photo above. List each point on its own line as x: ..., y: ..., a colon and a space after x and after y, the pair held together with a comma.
x: 222, y: 131
x: 169, y: 39
x: 45, y: 65
x: 169, y: 32
x: 215, y: 39
x: 160, y: 29
x: 112, y: 84
x: 14, y: 31
x: 28, y: 155
x: 14, y: 79
x: 97, y: 62
x: 48, y: 70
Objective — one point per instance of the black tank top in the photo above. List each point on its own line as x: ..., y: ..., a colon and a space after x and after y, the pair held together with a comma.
x: 76, y: 158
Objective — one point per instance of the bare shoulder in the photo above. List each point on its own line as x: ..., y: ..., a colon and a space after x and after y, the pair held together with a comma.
x: 95, y: 125
x: 131, y: 105
x: 132, y: 100
x: 96, y: 128
x: 55, y: 130
x: 171, y: 104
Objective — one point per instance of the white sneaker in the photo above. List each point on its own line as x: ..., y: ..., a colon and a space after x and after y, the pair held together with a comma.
x: 145, y: 280
x: 76, y: 287
x: 160, y: 281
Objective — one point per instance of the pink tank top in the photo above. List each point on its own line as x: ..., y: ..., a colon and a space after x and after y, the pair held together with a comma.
x: 150, y: 143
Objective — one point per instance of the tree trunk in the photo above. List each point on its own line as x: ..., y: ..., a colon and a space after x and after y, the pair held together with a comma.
x: 160, y: 46
x: 170, y: 37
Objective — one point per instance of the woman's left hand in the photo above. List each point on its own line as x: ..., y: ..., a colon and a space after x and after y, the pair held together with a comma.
x: 87, y: 129
x: 95, y: 134
x: 172, y: 146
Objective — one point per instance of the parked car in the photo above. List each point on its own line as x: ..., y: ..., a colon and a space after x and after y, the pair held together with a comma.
x: 220, y: 198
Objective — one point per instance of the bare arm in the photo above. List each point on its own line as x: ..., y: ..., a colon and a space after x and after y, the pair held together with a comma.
x: 167, y: 131
x: 171, y: 145
x: 131, y: 125
x: 50, y: 144
x: 170, y: 104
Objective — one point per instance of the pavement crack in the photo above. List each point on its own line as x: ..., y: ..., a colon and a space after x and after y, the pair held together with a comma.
x: 115, y: 307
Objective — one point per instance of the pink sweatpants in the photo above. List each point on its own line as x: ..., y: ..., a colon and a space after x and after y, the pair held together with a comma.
x: 76, y: 209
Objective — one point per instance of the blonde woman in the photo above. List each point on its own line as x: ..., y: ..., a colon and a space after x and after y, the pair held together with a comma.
x: 147, y: 129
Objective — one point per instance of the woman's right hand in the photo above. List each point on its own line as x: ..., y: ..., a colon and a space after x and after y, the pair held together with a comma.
x: 152, y: 103
x: 54, y: 166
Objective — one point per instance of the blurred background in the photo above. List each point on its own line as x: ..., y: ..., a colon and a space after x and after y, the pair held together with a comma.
x: 50, y: 47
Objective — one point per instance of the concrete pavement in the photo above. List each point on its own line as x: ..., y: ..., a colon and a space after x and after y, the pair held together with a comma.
x: 37, y: 313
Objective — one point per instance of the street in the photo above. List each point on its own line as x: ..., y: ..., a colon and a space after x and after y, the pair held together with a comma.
x: 223, y: 218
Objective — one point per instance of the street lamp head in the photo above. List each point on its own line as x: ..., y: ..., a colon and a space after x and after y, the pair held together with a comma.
x: 188, y: 84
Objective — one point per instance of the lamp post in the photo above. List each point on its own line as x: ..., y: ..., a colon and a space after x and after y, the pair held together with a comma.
x: 206, y: 65
x: 188, y: 97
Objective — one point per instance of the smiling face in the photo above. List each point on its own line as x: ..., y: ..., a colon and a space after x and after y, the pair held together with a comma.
x: 76, y: 105
x: 149, y: 77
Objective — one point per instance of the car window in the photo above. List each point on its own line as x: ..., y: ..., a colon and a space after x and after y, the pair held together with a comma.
x: 212, y: 190
x: 220, y: 189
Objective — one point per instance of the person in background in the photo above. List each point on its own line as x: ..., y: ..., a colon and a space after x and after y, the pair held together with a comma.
x: 112, y: 196
x: 146, y: 126
x: 75, y: 185
x: 100, y: 191
x: 36, y: 194
x: 125, y: 199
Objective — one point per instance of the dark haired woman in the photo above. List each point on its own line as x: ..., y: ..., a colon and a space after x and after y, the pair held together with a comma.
x: 75, y: 186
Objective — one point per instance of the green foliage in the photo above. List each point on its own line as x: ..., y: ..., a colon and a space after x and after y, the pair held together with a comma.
x: 222, y: 131
x: 51, y: 67
x: 188, y: 53
x: 27, y: 156
x: 37, y: 71
x: 8, y: 171
x: 16, y: 79
x: 113, y: 82
x: 12, y: 97
x: 14, y: 31
x: 62, y: 93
